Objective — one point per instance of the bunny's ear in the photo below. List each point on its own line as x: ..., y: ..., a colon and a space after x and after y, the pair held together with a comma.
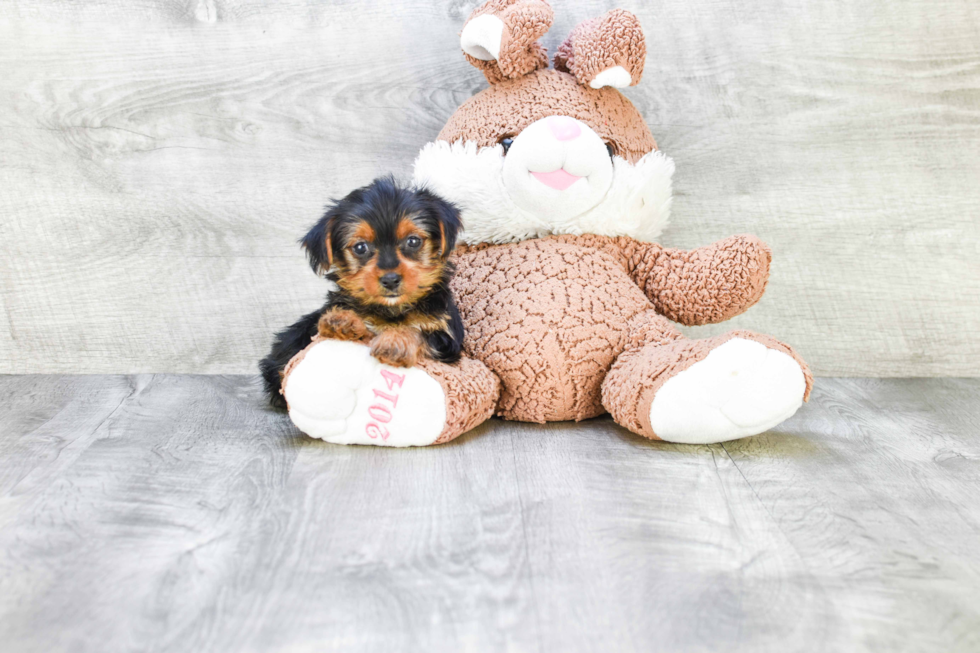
x: 500, y: 37
x: 605, y: 51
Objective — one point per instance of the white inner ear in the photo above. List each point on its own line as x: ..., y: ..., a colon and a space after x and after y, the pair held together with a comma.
x: 481, y: 37
x: 617, y: 77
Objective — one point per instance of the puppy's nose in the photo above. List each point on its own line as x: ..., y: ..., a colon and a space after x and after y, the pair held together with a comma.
x: 390, y: 281
x: 564, y: 128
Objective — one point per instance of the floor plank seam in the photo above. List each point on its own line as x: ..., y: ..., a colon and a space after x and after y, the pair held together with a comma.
x: 768, y: 512
x: 132, y: 393
x: 527, y: 546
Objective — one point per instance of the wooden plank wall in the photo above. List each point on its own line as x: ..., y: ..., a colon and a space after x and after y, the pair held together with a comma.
x: 158, y: 161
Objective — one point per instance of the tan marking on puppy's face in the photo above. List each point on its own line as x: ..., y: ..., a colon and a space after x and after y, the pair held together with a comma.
x: 359, y: 273
x: 363, y: 231
x: 407, y: 227
x: 420, y: 266
x: 363, y: 284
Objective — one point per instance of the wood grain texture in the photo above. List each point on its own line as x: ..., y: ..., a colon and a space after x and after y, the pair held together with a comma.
x: 177, y: 513
x: 158, y: 161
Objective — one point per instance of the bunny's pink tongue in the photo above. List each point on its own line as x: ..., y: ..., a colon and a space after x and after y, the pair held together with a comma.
x: 558, y: 179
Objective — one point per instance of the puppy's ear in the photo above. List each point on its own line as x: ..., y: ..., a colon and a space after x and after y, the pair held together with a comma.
x: 447, y: 217
x: 317, y: 242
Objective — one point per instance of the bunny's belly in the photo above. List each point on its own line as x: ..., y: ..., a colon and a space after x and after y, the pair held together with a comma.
x: 549, y: 318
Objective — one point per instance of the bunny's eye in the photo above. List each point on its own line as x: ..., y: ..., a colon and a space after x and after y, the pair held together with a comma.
x: 610, y: 148
x: 506, y: 142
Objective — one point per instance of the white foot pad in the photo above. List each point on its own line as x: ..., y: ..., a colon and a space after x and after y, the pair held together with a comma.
x: 741, y: 388
x: 341, y: 394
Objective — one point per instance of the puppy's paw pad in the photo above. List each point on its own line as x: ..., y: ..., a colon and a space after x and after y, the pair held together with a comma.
x: 339, y: 393
x: 740, y: 388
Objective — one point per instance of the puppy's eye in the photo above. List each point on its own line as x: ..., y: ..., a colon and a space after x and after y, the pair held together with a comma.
x: 413, y: 242
x: 610, y: 148
x: 506, y: 142
x: 360, y: 249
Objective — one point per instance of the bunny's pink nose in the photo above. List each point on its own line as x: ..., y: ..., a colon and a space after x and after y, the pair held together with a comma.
x: 564, y: 128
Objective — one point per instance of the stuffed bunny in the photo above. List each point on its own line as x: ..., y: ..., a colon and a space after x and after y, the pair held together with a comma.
x: 566, y: 300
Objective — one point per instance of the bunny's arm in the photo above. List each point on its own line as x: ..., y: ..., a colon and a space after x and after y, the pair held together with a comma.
x: 705, y: 285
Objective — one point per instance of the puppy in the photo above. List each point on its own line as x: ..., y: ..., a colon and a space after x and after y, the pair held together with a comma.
x: 386, y: 248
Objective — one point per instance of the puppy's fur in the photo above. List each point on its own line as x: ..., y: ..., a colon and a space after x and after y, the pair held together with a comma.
x: 387, y: 249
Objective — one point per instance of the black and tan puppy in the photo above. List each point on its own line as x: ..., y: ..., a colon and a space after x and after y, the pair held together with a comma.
x: 386, y: 248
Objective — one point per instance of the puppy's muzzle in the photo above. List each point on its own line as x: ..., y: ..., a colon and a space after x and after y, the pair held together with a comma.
x: 390, y: 281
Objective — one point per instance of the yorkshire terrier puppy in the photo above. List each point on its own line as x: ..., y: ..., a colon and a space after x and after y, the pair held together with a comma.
x: 386, y: 248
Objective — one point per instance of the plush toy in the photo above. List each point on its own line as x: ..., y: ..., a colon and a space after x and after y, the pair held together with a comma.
x: 566, y: 299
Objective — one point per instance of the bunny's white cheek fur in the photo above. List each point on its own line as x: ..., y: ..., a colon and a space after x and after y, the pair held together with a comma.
x: 635, y: 202
x: 557, y: 168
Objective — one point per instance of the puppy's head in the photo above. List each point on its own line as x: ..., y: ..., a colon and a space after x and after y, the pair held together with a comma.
x: 383, y: 244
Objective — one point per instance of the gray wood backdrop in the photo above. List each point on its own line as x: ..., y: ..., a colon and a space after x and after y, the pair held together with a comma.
x: 158, y: 161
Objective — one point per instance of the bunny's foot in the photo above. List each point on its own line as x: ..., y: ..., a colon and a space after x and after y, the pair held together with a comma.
x: 704, y: 391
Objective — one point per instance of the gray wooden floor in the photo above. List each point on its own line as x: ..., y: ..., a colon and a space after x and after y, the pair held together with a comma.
x: 176, y: 513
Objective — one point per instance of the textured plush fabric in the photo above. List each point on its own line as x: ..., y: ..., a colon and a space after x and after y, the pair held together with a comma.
x: 552, y: 316
x: 705, y: 285
x: 630, y: 386
x: 296, y: 360
x: 636, y: 204
x: 471, y: 394
x: 505, y: 109
x: 470, y: 388
x: 549, y: 316
x: 613, y: 39
x: 524, y: 22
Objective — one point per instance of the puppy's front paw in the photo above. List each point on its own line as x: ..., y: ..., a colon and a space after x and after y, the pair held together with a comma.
x: 398, y: 347
x: 341, y: 324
